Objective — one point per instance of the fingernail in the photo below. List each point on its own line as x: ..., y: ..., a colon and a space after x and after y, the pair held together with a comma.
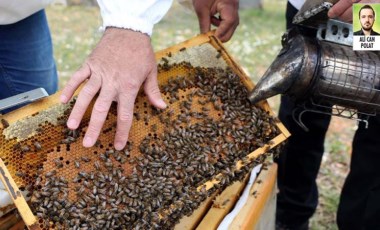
x: 72, y: 123
x: 87, y: 142
x: 63, y: 98
x: 161, y: 104
x: 331, y: 14
x: 119, y: 145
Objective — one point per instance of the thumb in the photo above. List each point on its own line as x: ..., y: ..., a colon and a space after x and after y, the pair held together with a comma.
x: 339, y: 8
x: 152, y: 91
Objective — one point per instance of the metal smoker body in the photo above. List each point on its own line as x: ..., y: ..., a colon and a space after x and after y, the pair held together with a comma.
x: 348, y: 78
x: 322, y: 70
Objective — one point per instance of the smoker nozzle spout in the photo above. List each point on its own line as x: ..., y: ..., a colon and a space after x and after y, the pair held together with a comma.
x: 282, y: 74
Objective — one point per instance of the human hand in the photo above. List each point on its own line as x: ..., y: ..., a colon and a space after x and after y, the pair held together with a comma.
x: 343, y: 9
x: 226, y: 23
x: 121, y: 62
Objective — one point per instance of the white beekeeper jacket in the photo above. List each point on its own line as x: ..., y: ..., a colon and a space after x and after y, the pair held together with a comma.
x: 137, y: 15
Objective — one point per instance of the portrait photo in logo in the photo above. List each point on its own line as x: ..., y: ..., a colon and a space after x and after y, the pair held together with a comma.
x: 364, y: 19
x: 366, y: 26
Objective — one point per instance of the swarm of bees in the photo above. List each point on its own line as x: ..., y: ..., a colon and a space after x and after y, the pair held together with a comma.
x: 214, y: 126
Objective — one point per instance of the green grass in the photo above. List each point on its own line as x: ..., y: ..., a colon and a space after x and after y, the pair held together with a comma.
x: 255, y: 45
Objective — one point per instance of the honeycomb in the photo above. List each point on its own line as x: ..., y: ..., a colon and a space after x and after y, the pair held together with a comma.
x: 174, y: 158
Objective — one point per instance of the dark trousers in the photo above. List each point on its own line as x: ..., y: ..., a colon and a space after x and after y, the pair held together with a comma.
x: 26, y: 57
x: 359, y: 206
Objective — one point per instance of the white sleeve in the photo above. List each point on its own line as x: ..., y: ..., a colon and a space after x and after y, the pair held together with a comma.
x: 137, y: 15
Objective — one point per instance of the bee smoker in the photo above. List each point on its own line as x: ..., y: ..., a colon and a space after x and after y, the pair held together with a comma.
x: 322, y: 70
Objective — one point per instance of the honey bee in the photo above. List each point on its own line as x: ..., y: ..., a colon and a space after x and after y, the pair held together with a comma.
x: 5, y: 123
x: 25, y: 148
x: 20, y: 174
x: 137, y: 115
x: 58, y: 163
x: 77, y: 164
x: 85, y: 159
x: 165, y: 60
x: 97, y: 165
x: 97, y: 143
x: 218, y: 55
x: 37, y: 145
x: 51, y: 173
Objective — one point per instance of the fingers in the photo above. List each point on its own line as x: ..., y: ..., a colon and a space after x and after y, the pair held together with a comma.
x: 78, y: 77
x: 98, y: 116
x: 124, y: 118
x: 339, y: 8
x: 226, y: 29
x: 215, y: 21
x: 229, y: 20
x: 204, y: 20
x: 202, y: 9
x: 117, y: 69
x: 152, y: 91
x: 84, y: 98
x: 347, y: 15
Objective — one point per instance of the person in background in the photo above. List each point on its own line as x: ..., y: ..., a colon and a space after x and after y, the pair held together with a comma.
x: 299, y: 163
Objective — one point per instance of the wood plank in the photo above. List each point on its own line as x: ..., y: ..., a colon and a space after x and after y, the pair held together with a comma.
x: 223, y: 204
x: 191, y: 222
x: 7, y: 221
x: 18, y: 226
x: 18, y: 199
x: 260, y: 192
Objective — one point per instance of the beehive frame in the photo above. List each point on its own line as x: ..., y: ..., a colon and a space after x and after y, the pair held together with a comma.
x: 39, y: 107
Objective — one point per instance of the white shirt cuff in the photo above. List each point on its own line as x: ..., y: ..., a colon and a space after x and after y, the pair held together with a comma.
x: 137, y: 15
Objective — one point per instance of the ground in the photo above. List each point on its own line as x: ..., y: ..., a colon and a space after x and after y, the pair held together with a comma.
x: 75, y: 31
